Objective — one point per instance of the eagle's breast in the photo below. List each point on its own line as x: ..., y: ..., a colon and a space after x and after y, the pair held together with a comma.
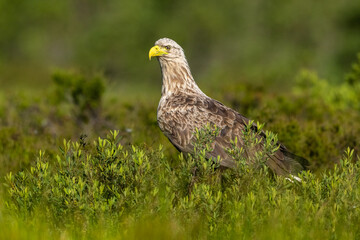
x: 177, y: 117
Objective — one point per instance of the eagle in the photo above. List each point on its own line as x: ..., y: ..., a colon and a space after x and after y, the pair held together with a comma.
x: 184, y: 108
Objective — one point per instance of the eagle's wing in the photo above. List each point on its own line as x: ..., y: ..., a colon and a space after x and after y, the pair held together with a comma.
x: 186, y: 113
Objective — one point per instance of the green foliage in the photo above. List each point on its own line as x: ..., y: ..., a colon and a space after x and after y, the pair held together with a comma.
x: 87, y: 181
x: 321, y: 93
x: 316, y: 119
x: 203, y: 146
x: 84, y: 95
x: 38, y: 120
x: 107, y: 184
x: 353, y: 77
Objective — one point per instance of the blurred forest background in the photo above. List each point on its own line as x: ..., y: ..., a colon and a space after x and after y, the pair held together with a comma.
x: 254, y: 41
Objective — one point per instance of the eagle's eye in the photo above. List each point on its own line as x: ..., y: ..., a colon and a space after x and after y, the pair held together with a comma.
x: 167, y: 48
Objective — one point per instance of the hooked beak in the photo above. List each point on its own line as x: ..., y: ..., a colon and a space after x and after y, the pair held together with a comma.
x: 157, y: 51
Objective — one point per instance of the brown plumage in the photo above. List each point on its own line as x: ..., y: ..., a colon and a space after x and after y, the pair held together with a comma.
x: 183, y: 108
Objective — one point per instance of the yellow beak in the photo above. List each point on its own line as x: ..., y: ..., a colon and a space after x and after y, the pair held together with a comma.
x: 157, y: 51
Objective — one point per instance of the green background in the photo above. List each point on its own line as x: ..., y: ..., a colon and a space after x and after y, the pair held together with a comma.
x: 224, y: 41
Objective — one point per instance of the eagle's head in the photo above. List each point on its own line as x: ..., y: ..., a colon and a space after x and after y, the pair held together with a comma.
x: 175, y: 69
x: 167, y: 49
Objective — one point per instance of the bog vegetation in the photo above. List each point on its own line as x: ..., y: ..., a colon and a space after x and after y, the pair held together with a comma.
x: 81, y: 155
x: 119, y: 183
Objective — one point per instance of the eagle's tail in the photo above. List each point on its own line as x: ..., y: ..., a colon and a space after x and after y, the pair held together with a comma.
x: 295, y: 163
x: 286, y: 163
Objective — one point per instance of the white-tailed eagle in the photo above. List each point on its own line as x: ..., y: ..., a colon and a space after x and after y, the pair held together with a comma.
x: 183, y: 108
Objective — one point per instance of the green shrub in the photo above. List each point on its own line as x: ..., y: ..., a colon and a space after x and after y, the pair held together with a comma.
x: 30, y: 121
x: 83, y: 94
x: 84, y: 181
x: 353, y: 78
x: 107, y: 184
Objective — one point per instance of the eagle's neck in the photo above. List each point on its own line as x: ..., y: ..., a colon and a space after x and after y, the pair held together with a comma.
x: 177, y: 77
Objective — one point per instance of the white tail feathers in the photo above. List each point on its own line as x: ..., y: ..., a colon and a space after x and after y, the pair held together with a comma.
x: 292, y: 177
